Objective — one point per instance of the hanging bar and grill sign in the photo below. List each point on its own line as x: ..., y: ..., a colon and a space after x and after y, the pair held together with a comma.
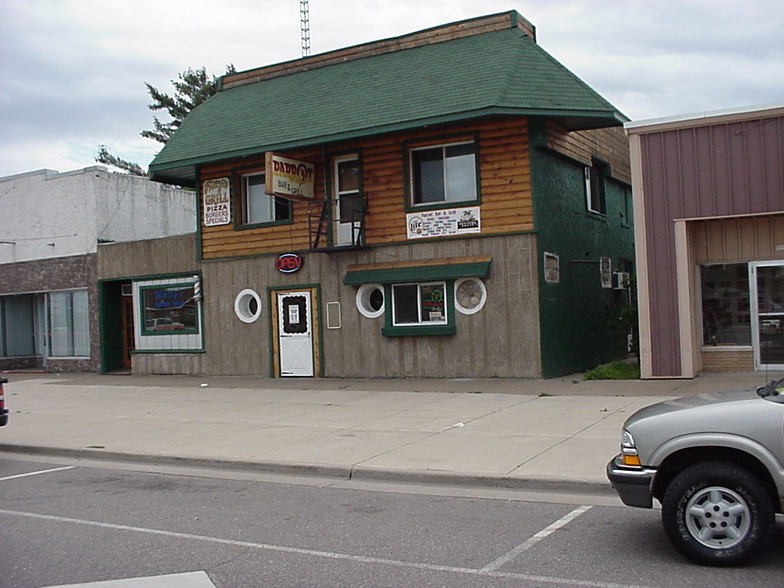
x: 289, y: 178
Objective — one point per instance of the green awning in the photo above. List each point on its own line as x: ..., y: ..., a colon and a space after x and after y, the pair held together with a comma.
x: 449, y: 268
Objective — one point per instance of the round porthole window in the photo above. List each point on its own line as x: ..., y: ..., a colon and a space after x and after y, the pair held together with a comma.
x: 247, y: 306
x: 370, y: 300
x: 470, y: 295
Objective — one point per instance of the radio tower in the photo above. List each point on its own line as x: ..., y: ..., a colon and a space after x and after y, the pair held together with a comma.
x: 304, y: 18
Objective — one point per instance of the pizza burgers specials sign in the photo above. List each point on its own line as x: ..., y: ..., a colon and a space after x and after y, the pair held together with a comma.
x: 215, y: 202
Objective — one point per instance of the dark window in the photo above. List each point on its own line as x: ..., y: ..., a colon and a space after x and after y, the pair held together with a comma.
x: 17, y: 325
x: 595, y: 177
x: 726, y: 318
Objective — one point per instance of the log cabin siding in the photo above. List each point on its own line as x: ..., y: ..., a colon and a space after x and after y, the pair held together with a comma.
x: 610, y: 145
x: 504, y: 174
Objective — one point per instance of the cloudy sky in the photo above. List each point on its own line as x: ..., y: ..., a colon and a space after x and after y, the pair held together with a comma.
x: 72, y: 72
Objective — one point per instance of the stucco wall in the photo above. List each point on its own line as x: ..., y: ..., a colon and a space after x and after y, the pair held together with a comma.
x: 151, y: 257
x: 501, y: 340
x: 50, y: 214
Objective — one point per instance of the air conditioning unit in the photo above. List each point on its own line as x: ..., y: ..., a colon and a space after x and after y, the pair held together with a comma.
x: 620, y: 280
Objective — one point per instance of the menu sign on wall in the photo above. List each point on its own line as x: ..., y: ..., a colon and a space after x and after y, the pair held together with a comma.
x: 443, y: 223
x: 215, y: 202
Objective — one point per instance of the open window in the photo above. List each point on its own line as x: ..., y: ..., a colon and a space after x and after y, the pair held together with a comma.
x: 595, y: 192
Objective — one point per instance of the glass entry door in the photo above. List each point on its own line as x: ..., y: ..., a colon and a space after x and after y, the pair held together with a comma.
x: 348, y: 205
x: 767, y: 298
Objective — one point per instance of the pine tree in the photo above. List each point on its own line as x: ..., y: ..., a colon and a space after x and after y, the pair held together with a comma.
x: 191, y: 89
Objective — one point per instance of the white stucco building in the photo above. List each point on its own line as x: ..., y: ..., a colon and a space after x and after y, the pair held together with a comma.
x: 51, y: 225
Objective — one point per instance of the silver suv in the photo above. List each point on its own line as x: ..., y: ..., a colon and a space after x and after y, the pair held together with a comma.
x: 716, y: 464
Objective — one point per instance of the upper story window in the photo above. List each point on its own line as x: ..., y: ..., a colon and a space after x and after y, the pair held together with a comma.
x: 443, y: 173
x: 595, y: 176
x: 258, y: 206
x: 348, y: 201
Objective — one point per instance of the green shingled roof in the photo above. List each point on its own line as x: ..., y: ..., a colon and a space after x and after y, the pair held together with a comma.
x: 501, y: 72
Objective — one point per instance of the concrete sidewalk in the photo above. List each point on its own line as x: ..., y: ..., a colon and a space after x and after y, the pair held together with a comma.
x: 537, y: 434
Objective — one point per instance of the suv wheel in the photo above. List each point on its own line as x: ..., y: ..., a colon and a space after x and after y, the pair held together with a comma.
x: 718, y: 513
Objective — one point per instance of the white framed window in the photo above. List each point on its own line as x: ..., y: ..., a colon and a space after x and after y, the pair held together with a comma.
x: 419, y: 304
x: 260, y: 207
x: 594, y: 187
x: 470, y: 295
x: 348, y: 201
x: 69, y: 324
x: 443, y: 173
x: 247, y: 306
x: 370, y: 300
x: 168, y: 315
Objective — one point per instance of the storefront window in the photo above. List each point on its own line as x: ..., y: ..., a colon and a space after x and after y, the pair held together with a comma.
x: 169, y: 310
x: 17, y: 326
x: 416, y: 304
x: 726, y: 318
x: 69, y: 324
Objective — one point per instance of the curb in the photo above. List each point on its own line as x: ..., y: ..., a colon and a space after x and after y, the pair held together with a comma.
x: 354, y: 473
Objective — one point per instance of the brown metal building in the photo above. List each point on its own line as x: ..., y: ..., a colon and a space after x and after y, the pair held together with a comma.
x: 709, y: 231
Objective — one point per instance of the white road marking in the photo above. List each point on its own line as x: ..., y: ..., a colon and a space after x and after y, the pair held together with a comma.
x: 28, y: 474
x: 329, y: 555
x: 184, y: 580
x: 546, y: 532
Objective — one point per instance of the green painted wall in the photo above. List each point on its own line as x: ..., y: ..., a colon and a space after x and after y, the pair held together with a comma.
x: 575, y: 313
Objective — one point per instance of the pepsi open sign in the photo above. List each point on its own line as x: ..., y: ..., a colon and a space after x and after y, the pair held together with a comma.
x: 288, y: 263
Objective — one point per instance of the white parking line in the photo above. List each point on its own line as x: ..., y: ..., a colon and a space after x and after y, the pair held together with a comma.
x: 184, y: 580
x: 331, y: 555
x: 28, y: 474
x: 547, y: 531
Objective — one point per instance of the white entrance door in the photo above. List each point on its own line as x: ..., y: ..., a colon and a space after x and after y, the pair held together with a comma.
x: 348, y: 202
x: 766, y: 280
x: 295, y: 333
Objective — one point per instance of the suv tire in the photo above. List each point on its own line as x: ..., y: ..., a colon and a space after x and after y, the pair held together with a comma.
x: 718, y: 513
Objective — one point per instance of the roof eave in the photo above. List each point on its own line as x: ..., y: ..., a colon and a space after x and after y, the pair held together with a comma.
x: 183, y: 172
